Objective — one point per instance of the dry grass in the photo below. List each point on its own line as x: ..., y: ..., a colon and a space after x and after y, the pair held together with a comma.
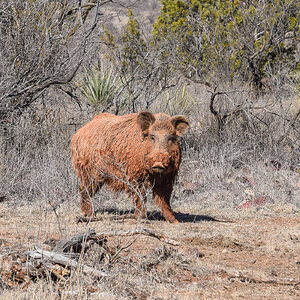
x: 239, y: 231
x: 217, y: 259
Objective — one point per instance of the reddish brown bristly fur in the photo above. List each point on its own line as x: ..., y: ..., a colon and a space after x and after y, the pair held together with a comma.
x: 130, y: 153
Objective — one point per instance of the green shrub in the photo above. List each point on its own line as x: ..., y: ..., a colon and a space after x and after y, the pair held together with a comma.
x: 232, y: 40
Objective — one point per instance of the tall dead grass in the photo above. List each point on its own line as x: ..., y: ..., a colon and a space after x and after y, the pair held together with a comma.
x: 253, y: 168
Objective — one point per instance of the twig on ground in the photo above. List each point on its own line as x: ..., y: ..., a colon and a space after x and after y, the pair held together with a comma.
x: 142, y: 231
x: 243, y: 275
x: 82, y: 219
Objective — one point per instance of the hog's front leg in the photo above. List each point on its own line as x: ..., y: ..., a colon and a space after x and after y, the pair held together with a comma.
x: 162, y: 194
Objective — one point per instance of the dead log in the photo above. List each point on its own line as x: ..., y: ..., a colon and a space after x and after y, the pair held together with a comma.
x: 61, y: 259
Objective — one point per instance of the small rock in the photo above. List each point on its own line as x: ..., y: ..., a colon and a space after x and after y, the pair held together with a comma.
x: 261, y: 200
x: 246, y: 204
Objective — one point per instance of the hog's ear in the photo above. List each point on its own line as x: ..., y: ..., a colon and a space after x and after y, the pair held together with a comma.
x: 145, y: 119
x: 180, y: 123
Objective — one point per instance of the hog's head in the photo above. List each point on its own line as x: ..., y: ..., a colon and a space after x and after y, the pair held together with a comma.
x: 161, y: 133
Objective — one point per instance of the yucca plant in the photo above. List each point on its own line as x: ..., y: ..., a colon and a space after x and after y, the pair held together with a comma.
x: 100, y: 86
x: 177, y: 101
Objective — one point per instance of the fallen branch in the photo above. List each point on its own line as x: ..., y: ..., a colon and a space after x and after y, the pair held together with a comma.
x: 82, y: 219
x: 142, y: 231
x: 64, y: 261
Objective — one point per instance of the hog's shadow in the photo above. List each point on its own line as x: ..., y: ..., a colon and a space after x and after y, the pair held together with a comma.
x: 182, y: 217
x: 156, y: 215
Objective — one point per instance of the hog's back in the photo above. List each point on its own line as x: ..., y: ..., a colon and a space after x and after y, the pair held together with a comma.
x: 112, y: 146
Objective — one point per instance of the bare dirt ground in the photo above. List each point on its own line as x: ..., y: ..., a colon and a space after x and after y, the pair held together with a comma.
x: 232, y: 255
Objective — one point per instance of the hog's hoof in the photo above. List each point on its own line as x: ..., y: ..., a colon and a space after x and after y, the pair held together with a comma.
x: 175, y: 221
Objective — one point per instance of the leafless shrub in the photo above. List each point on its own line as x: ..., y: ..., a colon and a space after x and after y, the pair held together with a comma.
x: 37, y: 162
x: 36, y: 37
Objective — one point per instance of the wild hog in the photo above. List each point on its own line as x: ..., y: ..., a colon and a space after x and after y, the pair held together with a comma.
x: 130, y: 153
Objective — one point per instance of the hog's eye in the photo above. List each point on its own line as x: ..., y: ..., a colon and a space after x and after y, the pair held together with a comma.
x: 152, y: 137
x: 172, y: 139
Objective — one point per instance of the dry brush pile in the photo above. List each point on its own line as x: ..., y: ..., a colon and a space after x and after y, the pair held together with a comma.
x: 95, y: 262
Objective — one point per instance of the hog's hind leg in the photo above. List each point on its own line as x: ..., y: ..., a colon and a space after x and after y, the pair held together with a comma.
x: 88, y: 189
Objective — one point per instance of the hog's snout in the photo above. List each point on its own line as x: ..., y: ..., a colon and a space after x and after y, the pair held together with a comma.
x: 159, y: 162
x: 158, y: 167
